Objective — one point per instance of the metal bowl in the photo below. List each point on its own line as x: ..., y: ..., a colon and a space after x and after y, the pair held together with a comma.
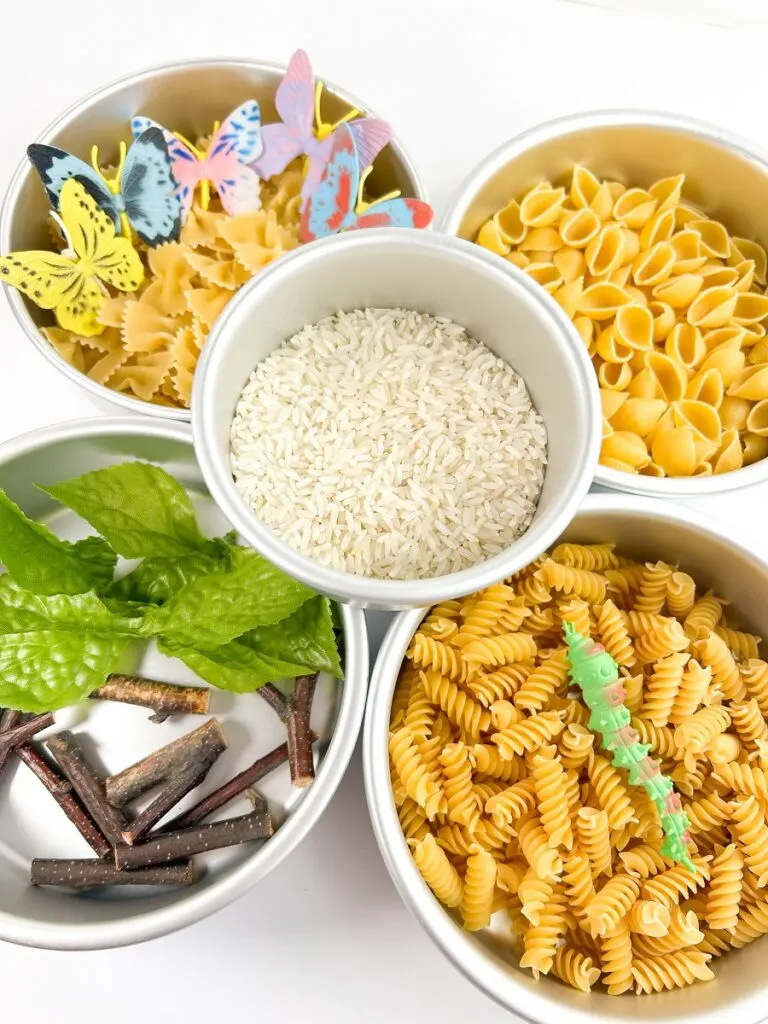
x: 645, y: 529
x: 426, y: 272
x: 725, y: 176
x: 31, y: 825
x: 187, y: 96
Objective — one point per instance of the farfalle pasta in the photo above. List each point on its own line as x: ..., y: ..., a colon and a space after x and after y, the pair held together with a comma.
x: 671, y: 309
x: 511, y: 807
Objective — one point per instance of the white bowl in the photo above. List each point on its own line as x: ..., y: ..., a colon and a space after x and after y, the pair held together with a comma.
x: 428, y: 273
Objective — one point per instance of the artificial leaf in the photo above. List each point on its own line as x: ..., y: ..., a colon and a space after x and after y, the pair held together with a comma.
x: 141, y: 510
x: 22, y: 611
x: 304, y: 638
x: 155, y: 580
x: 234, y: 666
x: 97, y: 557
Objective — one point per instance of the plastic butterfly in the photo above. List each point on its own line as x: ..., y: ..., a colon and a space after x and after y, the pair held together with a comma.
x: 142, y: 191
x: 337, y: 204
x: 224, y: 165
x: 298, y: 104
x: 70, y: 282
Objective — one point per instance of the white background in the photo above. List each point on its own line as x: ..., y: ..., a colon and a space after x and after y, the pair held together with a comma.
x: 326, y: 938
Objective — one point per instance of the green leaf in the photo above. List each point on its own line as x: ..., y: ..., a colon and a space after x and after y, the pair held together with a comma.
x: 304, y: 638
x: 37, y: 559
x: 139, y: 508
x: 22, y: 612
x: 155, y: 580
x: 212, y: 610
x: 94, y: 554
x: 234, y: 666
x: 48, y: 669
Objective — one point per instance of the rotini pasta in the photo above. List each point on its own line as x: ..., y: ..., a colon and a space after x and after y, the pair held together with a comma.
x: 477, y: 897
x: 724, y: 896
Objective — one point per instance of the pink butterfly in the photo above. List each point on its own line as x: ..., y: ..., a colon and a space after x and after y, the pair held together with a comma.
x: 298, y: 104
x: 225, y: 164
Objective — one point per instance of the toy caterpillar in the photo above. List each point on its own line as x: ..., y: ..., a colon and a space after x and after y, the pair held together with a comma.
x: 596, y: 674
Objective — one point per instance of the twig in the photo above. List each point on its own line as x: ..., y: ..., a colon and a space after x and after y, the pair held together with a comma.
x: 10, y: 738
x: 61, y: 791
x: 182, y: 757
x: 165, y: 699
x: 276, y: 700
x: 221, y: 796
x: 89, y: 874
x: 300, y: 757
x: 8, y: 720
x: 88, y: 785
x: 175, y: 845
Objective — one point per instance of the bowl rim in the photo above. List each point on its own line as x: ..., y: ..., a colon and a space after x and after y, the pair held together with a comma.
x: 511, y: 989
x: 462, y: 198
x: 128, y: 402
x: 370, y: 591
x: 199, y: 903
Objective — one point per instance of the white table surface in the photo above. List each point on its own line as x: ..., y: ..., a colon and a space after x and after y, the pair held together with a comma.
x: 326, y: 938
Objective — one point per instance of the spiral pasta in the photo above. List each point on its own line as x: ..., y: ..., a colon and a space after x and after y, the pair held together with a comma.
x: 542, y: 940
x: 713, y: 653
x: 610, y: 791
x: 616, y: 957
x: 681, y: 594
x: 673, y: 884
x: 664, y: 687
x: 528, y: 735
x: 499, y: 650
x: 700, y: 730
x: 419, y: 784
x: 576, y: 744
x: 461, y: 710
x: 457, y: 785
x: 545, y: 680
x: 582, y: 582
x: 611, y: 904
x: 694, y: 684
x: 437, y: 871
x: 512, y: 803
x: 534, y: 893
x: 748, y: 722
x: 427, y: 653
x: 647, y: 917
x: 575, y: 968
x: 749, y: 829
x: 741, y: 645
x: 724, y: 897
x: 550, y: 786
x: 594, y: 557
x: 479, y: 884
x: 658, y: 643
x: 672, y: 970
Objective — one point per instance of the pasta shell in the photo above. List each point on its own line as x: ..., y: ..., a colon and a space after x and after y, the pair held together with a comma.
x: 490, y: 237
x: 567, y: 296
x: 585, y: 329
x: 715, y: 274
x: 644, y: 385
x: 638, y: 415
x: 584, y: 186
x: 607, y: 428
x: 745, y: 276
x: 653, y: 469
x: 674, y: 451
x: 542, y: 239
x: 545, y: 274
x: 518, y: 259
x: 667, y: 191
x: 570, y: 263
x: 752, y: 384
x: 759, y: 353
x: 687, y: 248
x: 755, y: 448
x: 664, y: 319
x: 684, y: 213
x: 510, y: 226
x: 701, y: 418
x: 635, y: 207
x: 703, y: 469
x: 686, y: 345
x: 603, y: 201
x: 753, y: 333
x: 633, y: 326
x: 671, y: 378
x: 707, y: 387
x: 626, y: 447
x: 750, y: 308
x: 734, y: 413
x: 602, y: 300
x: 731, y: 337
x: 539, y: 256
x: 757, y: 421
x: 654, y: 265
x: 631, y: 244
x: 542, y: 207
x: 713, y: 307
x: 728, y: 361
x: 679, y: 291
x: 578, y: 227
x: 611, y: 349
x: 614, y: 376
x: 729, y: 456
x: 621, y: 276
x: 659, y: 228
x: 611, y: 401
x: 752, y: 251
x: 604, y: 253
x: 714, y: 237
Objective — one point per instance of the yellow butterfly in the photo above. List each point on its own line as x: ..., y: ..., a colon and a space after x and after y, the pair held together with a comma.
x: 70, y: 282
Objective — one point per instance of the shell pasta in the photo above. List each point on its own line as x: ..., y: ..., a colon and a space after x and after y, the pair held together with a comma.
x: 515, y: 816
x: 671, y: 309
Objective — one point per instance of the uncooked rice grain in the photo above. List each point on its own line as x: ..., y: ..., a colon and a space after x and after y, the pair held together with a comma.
x: 389, y: 443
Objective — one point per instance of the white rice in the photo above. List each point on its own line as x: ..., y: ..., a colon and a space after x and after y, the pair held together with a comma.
x: 389, y: 443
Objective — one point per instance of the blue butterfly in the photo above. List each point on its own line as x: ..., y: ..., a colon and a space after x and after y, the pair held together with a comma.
x: 143, y: 191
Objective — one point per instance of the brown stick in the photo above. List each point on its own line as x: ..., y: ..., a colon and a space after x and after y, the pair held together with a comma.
x: 88, y: 785
x: 182, y: 757
x: 221, y: 796
x: 216, y: 836
x: 8, y: 720
x: 10, y: 738
x: 61, y: 791
x: 165, y: 699
x: 276, y: 700
x: 89, y: 874
x: 300, y: 756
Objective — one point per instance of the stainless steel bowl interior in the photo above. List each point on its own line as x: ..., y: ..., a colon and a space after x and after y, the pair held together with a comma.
x: 725, y: 176
x: 430, y: 273
x: 30, y: 822
x: 644, y: 529
x: 185, y: 96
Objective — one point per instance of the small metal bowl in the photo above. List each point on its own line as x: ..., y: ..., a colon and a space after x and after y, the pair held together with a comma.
x: 726, y: 176
x: 31, y: 825
x: 645, y: 529
x: 186, y: 96
x: 426, y: 272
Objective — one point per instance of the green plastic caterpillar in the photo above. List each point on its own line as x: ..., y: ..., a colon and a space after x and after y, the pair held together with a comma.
x: 596, y: 674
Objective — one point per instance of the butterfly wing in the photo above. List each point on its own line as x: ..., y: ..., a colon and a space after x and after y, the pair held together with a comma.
x: 370, y: 136
x: 331, y: 207
x: 395, y: 213
x: 185, y: 167
x: 281, y: 145
x: 53, y: 281
x: 56, y: 166
x: 93, y: 238
x: 295, y: 100
x: 239, y: 187
x: 239, y: 134
x: 149, y: 189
